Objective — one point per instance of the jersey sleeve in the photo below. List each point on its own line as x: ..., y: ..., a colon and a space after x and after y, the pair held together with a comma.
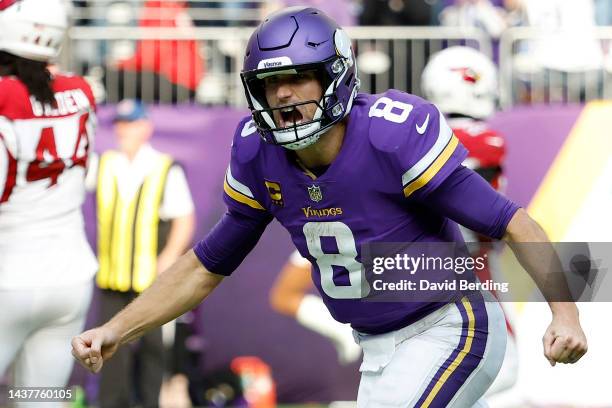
x: 8, y: 162
x: 239, y: 230
x: 230, y: 241
x: 241, y: 191
x: 468, y: 199
x: 431, y: 152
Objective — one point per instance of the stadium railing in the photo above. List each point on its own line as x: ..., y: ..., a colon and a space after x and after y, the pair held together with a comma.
x: 388, y: 57
x: 537, y: 66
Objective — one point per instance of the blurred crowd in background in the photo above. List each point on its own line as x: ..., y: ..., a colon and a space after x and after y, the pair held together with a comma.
x: 491, y: 15
x: 569, y: 56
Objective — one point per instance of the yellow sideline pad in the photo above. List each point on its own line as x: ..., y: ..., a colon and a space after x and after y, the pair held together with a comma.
x: 575, y: 170
x: 568, y: 182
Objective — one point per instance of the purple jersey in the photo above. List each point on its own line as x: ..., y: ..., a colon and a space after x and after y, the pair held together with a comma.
x: 397, y: 149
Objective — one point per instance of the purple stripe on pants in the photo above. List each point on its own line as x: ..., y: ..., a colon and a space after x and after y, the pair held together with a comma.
x: 472, y: 358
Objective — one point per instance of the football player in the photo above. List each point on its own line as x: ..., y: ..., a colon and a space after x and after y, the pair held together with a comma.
x: 462, y: 82
x: 46, y: 132
x: 340, y: 169
x: 289, y: 296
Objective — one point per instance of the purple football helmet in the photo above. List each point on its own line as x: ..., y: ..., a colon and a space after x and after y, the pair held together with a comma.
x: 292, y: 41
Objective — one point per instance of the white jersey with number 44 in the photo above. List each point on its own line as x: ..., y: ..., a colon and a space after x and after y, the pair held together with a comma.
x: 43, y: 158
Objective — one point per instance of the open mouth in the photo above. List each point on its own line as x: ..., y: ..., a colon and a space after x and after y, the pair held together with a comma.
x: 290, y: 116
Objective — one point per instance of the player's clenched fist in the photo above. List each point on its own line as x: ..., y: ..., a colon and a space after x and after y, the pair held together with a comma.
x: 94, y: 346
x: 564, y: 340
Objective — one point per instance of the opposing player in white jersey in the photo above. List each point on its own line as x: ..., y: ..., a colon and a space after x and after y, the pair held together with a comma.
x: 46, y: 132
x: 463, y: 83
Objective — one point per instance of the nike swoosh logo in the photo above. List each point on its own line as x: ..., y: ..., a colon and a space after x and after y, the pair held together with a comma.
x: 421, y: 129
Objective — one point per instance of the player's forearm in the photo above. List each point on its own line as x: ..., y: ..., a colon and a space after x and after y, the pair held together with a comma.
x: 537, y: 255
x: 182, y: 287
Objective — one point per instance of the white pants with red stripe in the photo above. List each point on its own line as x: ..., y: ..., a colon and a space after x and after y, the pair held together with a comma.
x: 449, y: 358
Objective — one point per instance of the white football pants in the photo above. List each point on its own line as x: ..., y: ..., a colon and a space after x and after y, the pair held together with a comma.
x: 449, y: 358
x: 36, y: 326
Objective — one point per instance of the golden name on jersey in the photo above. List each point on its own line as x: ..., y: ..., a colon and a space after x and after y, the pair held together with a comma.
x: 321, y: 212
x: 68, y: 102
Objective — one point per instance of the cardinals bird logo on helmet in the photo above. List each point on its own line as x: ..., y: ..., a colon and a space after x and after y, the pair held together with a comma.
x: 461, y: 80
